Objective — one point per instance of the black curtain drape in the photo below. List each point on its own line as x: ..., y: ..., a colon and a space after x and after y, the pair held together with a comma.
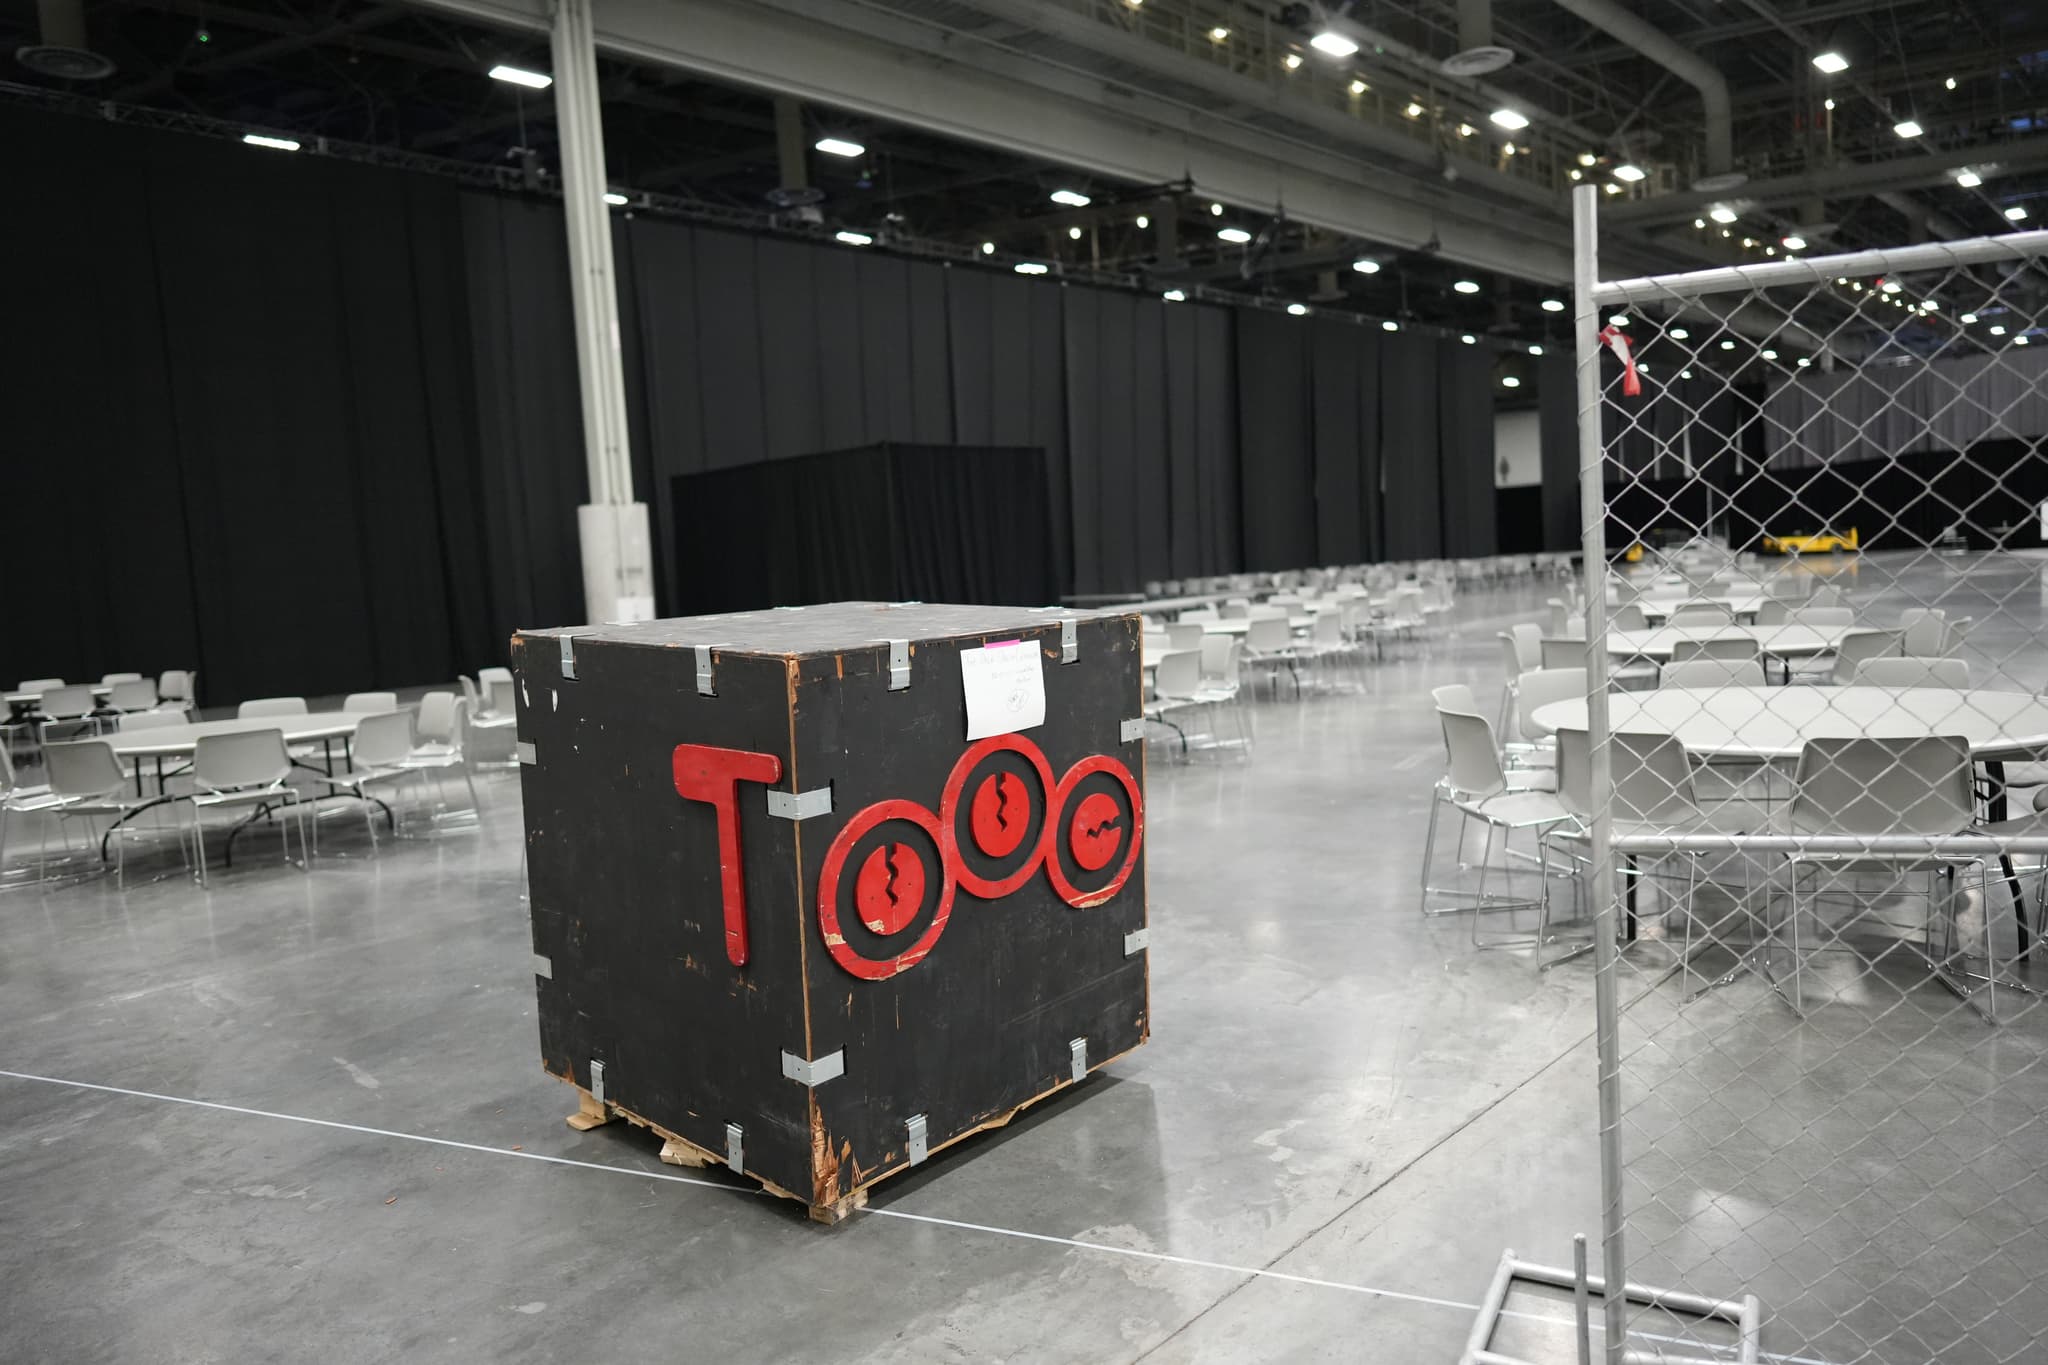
x: 1201, y: 414
x: 1465, y: 442
x: 1006, y: 353
x: 878, y: 523
x: 1557, y: 405
x: 1411, y: 504
x: 261, y: 367
x: 1275, y: 442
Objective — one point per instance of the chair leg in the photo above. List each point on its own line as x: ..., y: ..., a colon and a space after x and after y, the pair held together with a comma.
x: 1485, y: 866
x: 1436, y: 805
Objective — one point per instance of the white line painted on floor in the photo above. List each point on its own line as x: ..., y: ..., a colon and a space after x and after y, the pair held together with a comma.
x: 1414, y: 760
x: 1018, y: 1234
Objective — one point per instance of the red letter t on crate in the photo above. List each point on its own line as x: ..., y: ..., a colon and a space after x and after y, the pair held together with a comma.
x: 713, y: 776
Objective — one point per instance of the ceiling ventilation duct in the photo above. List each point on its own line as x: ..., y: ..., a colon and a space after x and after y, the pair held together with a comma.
x: 1477, y: 54
x: 62, y: 54
x: 1618, y: 23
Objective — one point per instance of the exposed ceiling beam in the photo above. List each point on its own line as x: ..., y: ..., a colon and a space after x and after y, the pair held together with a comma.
x: 1850, y: 179
x: 863, y: 58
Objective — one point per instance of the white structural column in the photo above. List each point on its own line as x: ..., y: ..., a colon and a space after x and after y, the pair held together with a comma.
x: 618, y: 577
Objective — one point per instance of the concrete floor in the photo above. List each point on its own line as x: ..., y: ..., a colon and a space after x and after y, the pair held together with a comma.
x: 302, y: 1117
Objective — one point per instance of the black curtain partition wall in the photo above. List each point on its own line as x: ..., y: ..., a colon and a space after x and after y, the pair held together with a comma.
x: 261, y: 369
x: 881, y: 523
x: 331, y: 421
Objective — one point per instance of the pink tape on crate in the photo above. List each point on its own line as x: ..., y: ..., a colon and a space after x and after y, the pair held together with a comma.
x: 998, y: 644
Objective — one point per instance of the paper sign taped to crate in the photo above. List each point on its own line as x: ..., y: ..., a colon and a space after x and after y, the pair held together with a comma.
x: 1005, y: 685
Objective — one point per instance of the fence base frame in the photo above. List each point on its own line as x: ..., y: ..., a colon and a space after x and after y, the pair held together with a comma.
x: 1744, y: 1314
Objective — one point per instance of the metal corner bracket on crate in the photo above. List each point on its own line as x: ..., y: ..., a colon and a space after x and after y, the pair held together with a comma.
x: 815, y: 1071
x: 914, y: 1135
x: 799, y: 805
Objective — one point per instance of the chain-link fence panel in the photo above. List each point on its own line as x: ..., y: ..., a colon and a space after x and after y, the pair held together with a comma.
x: 1804, y: 770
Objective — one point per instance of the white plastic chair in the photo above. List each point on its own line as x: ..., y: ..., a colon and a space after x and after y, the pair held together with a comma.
x: 248, y: 767
x: 1923, y: 631
x: 1535, y: 689
x: 1220, y: 655
x: 370, y: 701
x: 1703, y: 673
x: 1475, y: 785
x: 1701, y: 614
x: 1269, y: 644
x: 132, y: 694
x: 1726, y: 647
x: 70, y: 707
x: 87, y: 780
x: 1185, y: 635
x: 261, y: 707
x: 1859, y: 645
x: 441, y: 731
x: 1866, y: 787
x: 17, y: 796
x: 1176, y: 688
x: 380, y: 751
x: 1908, y: 671
x: 109, y: 679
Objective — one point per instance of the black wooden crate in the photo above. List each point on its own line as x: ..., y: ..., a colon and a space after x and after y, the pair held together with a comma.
x: 834, y: 1053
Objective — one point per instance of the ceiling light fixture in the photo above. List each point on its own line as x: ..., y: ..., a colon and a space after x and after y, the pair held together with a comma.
x: 614, y: 198
x: 1618, y: 320
x: 1073, y: 199
x: 1074, y: 232
x: 1678, y: 334
x: 1215, y: 210
x: 988, y: 248
x: 1968, y: 179
x: 1469, y: 339
x: 1768, y: 354
x: 1587, y: 159
x: 1967, y: 318
x: 1175, y: 296
x: 1144, y: 221
x: 276, y: 144
x: 1292, y: 61
x: 1508, y: 381
x: 2020, y: 340
x: 1998, y: 329
x: 1512, y: 119
x: 1630, y: 173
x: 1699, y: 222
x: 1359, y: 87
x: 1297, y: 309
x: 853, y: 238
x: 1890, y: 286
x: 1727, y: 345
x: 516, y: 75
x: 1832, y: 62
x: 1793, y: 242
x: 1949, y: 84
x: 1031, y: 267
x: 1576, y: 174
x: 1466, y: 130
x: 1828, y: 105
x: 1218, y: 34
x: 1413, y: 110
x: 1906, y: 127
x: 1535, y: 350
x: 1466, y: 286
x: 2017, y: 213
x: 1685, y: 374
x: 1333, y: 44
x: 1722, y: 214
x: 1611, y: 187
x: 1365, y: 265
x: 1235, y: 236
x: 1553, y: 305
x: 1390, y: 326
x: 839, y: 146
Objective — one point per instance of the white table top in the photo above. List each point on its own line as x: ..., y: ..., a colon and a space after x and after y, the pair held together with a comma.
x: 24, y: 698
x: 167, y: 740
x: 1775, y: 722
x: 1748, y: 605
x: 1784, y: 641
x: 1242, y: 625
